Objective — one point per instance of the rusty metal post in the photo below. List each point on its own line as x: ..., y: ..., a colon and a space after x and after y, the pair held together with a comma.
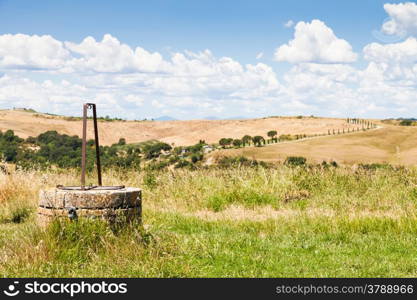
x: 84, y: 147
x: 93, y: 106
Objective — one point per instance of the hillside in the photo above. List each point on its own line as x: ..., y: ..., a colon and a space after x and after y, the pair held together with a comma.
x: 190, y: 132
x: 388, y: 144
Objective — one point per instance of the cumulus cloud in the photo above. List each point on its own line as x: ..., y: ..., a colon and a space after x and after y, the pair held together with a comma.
x: 109, y: 55
x: 315, y: 42
x: 117, y: 75
x: 403, y: 52
x: 393, y: 62
x: 403, y: 19
x: 136, y: 83
x: 32, y: 52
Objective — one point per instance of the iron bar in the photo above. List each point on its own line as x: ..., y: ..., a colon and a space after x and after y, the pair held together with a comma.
x: 93, y: 106
x: 84, y: 147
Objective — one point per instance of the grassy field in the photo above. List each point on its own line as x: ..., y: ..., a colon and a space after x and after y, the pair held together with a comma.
x: 236, y: 222
x: 181, y: 133
x: 389, y: 144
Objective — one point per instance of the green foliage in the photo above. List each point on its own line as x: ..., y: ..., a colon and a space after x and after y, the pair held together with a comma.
x: 295, y: 161
x: 51, y: 148
x: 122, y: 141
x: 196, y: 158
x: 182, y: 164
x: 154, y: 150
x: 272, y: 134
x: 406, y: 123
x: 20, y: 214
x: 225, y: 142
x: 246, y: 140
x: 239, y: 161
x: 258, y: 140
x: 9, y: 146
x: 237, y: 143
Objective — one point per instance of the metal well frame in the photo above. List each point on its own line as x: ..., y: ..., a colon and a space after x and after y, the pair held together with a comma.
x: 100, y: 186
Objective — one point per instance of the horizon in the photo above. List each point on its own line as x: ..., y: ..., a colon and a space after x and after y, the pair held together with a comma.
x: 192, y: 60
x: 162, y: 118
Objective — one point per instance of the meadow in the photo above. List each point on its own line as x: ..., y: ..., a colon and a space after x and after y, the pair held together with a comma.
x: 239, y: 221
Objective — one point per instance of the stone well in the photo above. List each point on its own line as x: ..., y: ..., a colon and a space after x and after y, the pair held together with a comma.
x: 113, y: 205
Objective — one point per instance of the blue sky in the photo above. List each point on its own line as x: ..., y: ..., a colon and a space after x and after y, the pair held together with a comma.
x: 276, y: 83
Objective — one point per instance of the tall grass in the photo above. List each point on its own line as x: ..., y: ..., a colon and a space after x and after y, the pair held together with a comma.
x: 238, y: 222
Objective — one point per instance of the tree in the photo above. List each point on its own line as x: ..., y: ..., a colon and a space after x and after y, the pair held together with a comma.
x: 225, y: 142
x: 122, y: 141
x: 258, y: 140
x: 246, y: 140
x: 272, y: 134
x: 406, y: 123
x: 237, y: 143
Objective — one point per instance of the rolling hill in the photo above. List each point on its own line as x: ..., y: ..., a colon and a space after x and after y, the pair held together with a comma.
x: 25, y: 123
x: 388, y: 144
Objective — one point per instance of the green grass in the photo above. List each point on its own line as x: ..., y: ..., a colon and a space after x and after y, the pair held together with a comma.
x: 243, y: 222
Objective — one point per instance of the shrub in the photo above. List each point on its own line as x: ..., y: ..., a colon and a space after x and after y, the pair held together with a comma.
x: 196, y: 158
x: 20, y: 214
x: 122, y: 141
x: 237, y: 161
x: 182, y: 163
x: 406, y: 123
x: 295, y: 161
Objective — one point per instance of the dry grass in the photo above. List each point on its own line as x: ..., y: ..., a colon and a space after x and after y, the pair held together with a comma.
x: 390, y: 144
x: 179, y: 132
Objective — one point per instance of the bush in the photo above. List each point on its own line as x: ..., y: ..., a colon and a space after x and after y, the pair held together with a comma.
x: 406, y: 123
x: 295, y: 161
x: 154, y: 150
x: 182, y: 163
x: 238, y: 161
x: 20, y: 214
x: 122, y: 141
x: 196, y: 158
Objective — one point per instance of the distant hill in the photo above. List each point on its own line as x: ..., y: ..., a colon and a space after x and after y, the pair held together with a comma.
x: 26, y: 123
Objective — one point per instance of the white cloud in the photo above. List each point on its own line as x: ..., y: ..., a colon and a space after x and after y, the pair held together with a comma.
x: 395, y: 62
x: 403, y: 19
x: 315, y: 42
x: 289, y: 24
x: 403, y: 52
x: 32, y: 52
x: 134, y: 99
x: 110, y: 55
x: 135, y: 83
